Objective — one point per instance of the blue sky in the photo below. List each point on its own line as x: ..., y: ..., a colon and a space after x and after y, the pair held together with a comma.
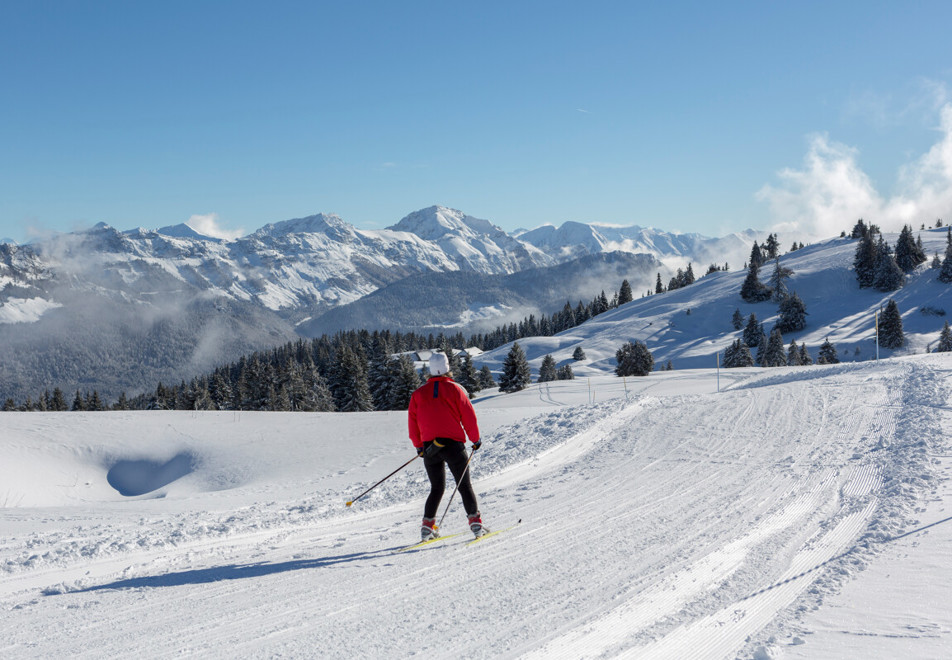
x: 706, y: 117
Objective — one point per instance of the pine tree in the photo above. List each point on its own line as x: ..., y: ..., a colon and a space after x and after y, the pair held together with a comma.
x: 348, y: 383
x: 864, y: 260
x: 761, y: 344
x: 634, y: 359
x: 890, y: 326
x: 688, y: 278
x: 945, y: 272
x: 859, y: 229
x: 578, y: 354
x: 945, y: 340
x: 548, y: 370
x: 793, y: 314
x: 79, y: 403
x: 317, y: 394
x: 59, y: 401
x: 565, y: 372
x: 659, y: 287
x: 793, y: 355
x: 774, y: 354
x: 771, y: 247
x: 805, y: 358
x: 888, y: 276
x: 909, y: 254
x: 737, y: 320
x: 516, y: 373
x: 403, y: 381
x: 486, y: 380
x: 738, y: 355
x: 624, y: 293
x: 756, y: 256
x: 778, y: 280
x: 752, y: 331
x: 827, y: 353
x: 753, y: 290
x: 467, y: 376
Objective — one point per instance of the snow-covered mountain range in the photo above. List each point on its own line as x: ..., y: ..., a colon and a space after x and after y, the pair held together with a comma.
x: 77, y: 309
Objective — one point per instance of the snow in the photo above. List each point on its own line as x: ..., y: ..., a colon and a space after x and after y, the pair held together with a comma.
x: 25, y: 310
x: 661, y: 518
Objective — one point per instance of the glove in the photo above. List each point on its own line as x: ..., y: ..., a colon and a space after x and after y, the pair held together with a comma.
x: 477, y: 444
x: 420, y: 451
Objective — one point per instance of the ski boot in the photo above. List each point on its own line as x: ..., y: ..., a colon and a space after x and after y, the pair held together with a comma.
x: 428, y: 530
x: 476, y: 525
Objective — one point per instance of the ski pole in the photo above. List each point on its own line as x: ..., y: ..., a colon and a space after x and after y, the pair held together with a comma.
x: 461, y: 477
x: 382, y: 480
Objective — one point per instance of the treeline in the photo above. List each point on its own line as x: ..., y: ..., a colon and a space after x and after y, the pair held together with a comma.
x: 351, y: 371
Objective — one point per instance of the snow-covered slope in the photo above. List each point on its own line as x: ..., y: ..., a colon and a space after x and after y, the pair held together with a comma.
x: 690, y: 326
x: 785, y: 516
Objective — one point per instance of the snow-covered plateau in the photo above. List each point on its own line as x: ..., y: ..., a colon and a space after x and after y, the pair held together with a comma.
x: 755, y: 513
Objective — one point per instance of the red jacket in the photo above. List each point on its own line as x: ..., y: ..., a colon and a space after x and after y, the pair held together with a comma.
x: 441, y: 409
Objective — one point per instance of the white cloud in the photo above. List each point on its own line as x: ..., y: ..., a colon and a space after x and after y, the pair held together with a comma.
x: 208, y: 225
x: 831, y: 191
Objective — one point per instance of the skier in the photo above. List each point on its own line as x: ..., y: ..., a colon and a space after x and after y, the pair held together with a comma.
x: 440, y: 418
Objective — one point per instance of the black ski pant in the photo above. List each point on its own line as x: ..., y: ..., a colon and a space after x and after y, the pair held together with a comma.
x: 454, y: 455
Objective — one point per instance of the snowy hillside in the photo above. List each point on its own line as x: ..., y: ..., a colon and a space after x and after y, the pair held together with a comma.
x: 689, y: 326
x: 797, y: 513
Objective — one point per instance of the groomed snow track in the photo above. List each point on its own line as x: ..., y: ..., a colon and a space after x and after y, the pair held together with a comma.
x: 662, y: 526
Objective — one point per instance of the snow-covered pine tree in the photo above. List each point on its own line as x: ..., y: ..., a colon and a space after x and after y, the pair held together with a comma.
x: 578, y: 354
x: 793, y: 354
x: 753, y: 290
x: 771, y: 247
x: 864, y: 260
x: 516, y: 373
x: 827, y: 353
x: 624, y: 293
x: 737, y: 320
x: 793, y: 314
x: 317, y: 394
x: 688, y: 277
x: 634, y: 359
x: 805, y: 358
x: 778, y: 280
x: 752, y: 331
x: 761, y: 344
x: 890, y: 326
x: 756, y: 256
x: 348, y: 383
x: 859, y: 229
x: 738, y: 355
x: 467, y: 376
x: 909, y: 254
x: 945, y: 272
x: 486, y: 380
x: 888, y: 276
x: 945, y: 340
x: 659, y: 287
x: 404, y: 380
x: 379, y: 373
x: 565, y: 372
x: 774, y: 354
x: 547, y: 370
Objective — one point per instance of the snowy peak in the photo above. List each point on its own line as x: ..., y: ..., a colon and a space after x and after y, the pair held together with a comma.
x: 436, y: 221
x: 329, y: 224
x: 183, y: 230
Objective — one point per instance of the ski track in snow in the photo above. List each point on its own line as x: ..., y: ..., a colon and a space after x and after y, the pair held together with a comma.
x: 661, y: 526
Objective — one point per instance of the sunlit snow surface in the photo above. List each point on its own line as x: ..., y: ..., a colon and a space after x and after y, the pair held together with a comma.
x: 660, y: 519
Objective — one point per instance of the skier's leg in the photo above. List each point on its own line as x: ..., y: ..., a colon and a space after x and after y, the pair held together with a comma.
x: 455, y: 454
x: 437, y: 474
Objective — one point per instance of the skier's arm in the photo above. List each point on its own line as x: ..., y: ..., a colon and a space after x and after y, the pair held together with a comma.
x: 414, y: 428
